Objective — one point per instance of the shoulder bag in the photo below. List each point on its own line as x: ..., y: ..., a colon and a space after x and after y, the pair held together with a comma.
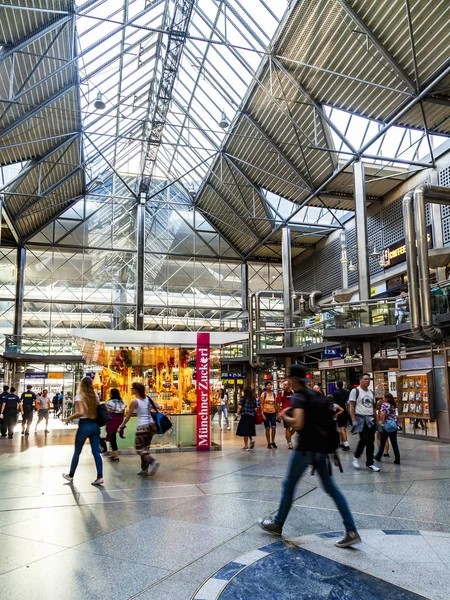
x: 162, y: 421
x: 103, y: 415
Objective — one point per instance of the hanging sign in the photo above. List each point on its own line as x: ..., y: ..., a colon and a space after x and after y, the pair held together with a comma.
x: 203, y: 392
x: 36, y: 375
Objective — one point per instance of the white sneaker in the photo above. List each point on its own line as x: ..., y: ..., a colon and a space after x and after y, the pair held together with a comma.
x: 98, y: 481
x: 355, y: 463
x: 67, y: 477
x: 373, y: 468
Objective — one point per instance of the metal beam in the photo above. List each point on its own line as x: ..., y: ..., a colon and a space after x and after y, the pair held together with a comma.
x: 177, y: 33
x: 140, y: 271
x: 232, y: 209
x: 361, y: 230
x: 21, y: 213
x: 32, y: 37
x: 256, y: 189
x: 20, y: 283
x: 378, y: 45
x: 17, y: 180
x: 36, y: 110
x: 286, y: 260
x: 280, y: 152
x: 317, y: 106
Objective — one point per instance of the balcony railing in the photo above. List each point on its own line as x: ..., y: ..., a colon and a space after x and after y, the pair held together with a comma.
x: 304, y: 336
x: 370, y: 313
x: 41, y: 345
x: 235, y: 350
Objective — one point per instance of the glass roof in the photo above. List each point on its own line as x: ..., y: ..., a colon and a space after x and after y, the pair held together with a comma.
x: 122, y: 45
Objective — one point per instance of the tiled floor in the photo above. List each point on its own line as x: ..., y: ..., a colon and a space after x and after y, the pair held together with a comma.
x: 161, y: 538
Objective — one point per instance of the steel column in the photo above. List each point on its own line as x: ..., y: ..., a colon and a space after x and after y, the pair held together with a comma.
x: 140, y: 244
x: 438, y: 234
x: 286, y: 260
x: 244, y: 295
x: 361, y: 230
x: 20, y: 280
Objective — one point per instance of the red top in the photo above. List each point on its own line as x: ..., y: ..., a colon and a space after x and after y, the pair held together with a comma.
x: 284, y: 398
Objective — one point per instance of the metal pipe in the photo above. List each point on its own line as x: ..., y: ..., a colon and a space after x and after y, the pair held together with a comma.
x: 411, y: 261
x: 287, y: 284
x: 440, y: 195
x: 20, y: 281
x: 344, y: 260
x: 313, y: 306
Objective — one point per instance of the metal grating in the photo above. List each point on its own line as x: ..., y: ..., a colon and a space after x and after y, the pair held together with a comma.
x: 392, y: 212
x: 393, y: 233
x: 444, y: 177
x: 446, y: 230
x: 373, y: 224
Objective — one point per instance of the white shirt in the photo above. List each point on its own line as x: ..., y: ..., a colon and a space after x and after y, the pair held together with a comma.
x: 44, y: 402
x: 143, y: 413
x: 364, y: 401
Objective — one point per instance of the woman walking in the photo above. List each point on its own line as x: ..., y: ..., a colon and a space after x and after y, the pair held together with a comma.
x: 246, y: 426
x: 116, y: 408
x: 86, y: 411
x: 388, y: 422
x: 223, y: 408
x: 145, y: 429
x: 269, y: 412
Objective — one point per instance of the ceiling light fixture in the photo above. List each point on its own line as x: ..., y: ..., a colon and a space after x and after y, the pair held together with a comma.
x: 224, y: 122
x: 99, y: 103
x: 351, y: 267
x: 375, y: 253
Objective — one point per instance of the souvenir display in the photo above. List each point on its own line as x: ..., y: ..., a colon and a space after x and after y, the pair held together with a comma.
x: 414, y: 393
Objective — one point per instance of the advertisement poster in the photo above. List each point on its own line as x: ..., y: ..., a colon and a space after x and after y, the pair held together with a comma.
x: 203, y: 392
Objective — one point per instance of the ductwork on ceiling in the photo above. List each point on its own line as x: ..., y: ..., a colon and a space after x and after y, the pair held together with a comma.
x: 417, y: 262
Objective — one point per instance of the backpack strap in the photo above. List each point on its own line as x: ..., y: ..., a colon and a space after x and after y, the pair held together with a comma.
x: 150, y: 401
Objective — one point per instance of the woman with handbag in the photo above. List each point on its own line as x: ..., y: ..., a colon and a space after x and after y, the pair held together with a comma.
x: 86, y: 411
x: 145, y: 429
x: 246, y: 426
x: 116, y: 408
x: 388, y: 422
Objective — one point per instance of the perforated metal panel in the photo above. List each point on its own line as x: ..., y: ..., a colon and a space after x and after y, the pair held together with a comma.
x: 394, y: 233
x: 428, y: 213
x: 375, y: 241
x: 373, y: 224
x: 445, y: 211
x: 446, y: 230
x: 444, y: 177
x: 392, y: 212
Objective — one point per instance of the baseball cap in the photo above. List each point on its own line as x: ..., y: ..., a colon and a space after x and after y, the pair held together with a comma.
x: 298, y: 371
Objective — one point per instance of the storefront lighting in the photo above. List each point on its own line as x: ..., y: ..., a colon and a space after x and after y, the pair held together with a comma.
x: 375, y: 253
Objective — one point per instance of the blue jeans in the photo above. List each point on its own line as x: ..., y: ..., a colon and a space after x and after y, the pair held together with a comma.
x: 270, y: 422
x: 299, y: 462
x: 87, y: 428
x: 392, y: 435
x: 223, y: 410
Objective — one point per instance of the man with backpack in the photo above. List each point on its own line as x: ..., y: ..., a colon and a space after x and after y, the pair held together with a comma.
x: 312, y: 417
x: 362, y: 413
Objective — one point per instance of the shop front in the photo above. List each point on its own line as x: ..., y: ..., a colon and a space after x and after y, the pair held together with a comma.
x: 171, y: 365
x: 348, y: 370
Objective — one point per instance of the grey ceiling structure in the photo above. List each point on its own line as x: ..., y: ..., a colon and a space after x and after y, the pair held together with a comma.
x: 309, y: 86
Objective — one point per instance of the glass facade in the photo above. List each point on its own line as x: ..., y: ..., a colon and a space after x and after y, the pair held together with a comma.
x: 81, y: 271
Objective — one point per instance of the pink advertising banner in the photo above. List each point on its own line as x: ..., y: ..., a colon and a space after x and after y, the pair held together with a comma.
x: 203, y: 393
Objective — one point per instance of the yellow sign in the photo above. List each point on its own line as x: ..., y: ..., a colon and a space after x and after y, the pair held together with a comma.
x: 373, y: 291
x: 55, y: 376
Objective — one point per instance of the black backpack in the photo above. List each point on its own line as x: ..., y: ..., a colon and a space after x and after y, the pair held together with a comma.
x: 323, y: 426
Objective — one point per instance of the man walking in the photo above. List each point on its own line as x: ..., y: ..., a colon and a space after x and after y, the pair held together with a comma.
x: 44, y: 407
x: 362, y: 414
x: 284, y: 402
x: 3, y: 397
x: 9, y: 410
x: 27, y: 400
x: 312, y: 417
x: 340, y: 397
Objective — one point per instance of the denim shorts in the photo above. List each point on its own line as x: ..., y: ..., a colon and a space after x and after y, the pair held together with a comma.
x: 270, y: 421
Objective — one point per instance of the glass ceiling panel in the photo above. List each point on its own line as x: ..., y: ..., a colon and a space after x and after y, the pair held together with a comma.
x: 122, y: 46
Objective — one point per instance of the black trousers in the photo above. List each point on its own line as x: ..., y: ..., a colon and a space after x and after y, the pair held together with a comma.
x: 27, y: 417
x: 11, y: 419
x: 367, y: 441
x: 113, y: 441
